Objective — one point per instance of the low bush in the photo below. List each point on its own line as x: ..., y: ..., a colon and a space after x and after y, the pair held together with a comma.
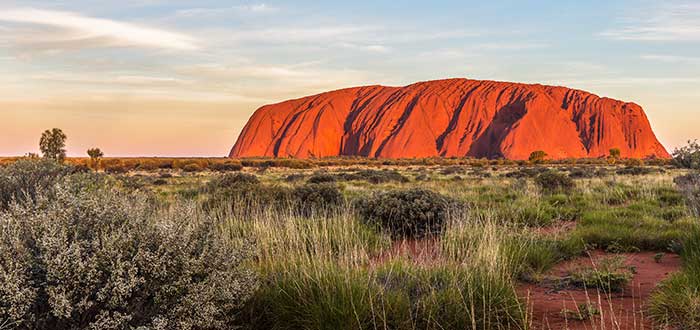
x: 450, y: 170
x: 116, y: 166
x: 583, y: 312
x: 587, y: 172
x: 192, y: 168
x: 92, y: 257
x: 24, y: 179
x: 690, y: 187
x: 321, y: 178
x: 635, y: 170
x: 232, y: 180
x: 526, y: 172
x: 413, y: 213
x: 554, y: 182
x: 374, y: 176
x: 294, y: 177
x: 317, y: 198
x: 608, y: 274
x: 227, y: 166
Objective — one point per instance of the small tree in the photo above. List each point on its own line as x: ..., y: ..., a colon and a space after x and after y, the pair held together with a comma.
x: 615, y: 153
x: 53, y: 144
x: 537, y: 156
x: 95, y: 155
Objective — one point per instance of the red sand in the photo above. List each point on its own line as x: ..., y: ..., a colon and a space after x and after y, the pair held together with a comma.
x: 455, y: 117
x: 620, y: 311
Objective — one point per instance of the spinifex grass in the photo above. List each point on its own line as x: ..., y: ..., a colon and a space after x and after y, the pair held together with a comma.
x: 326, y: 273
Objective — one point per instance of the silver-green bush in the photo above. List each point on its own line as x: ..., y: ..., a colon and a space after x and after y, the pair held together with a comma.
x: 91, y: 257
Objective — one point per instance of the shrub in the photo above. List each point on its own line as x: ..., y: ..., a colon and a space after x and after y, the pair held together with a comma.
x: 690, y: 187
x: 587, y: 172
x: 115, y: 166
x: 315, y: 198
x: 453, y: 170
x: 294, y: 177
x: 91, y: 257
x: 194, y: 167
x: 24, y: 179
x: 552, y: 182
x: 321, y: 178
x: 375, y: 176
x: 608, y: 274
x: 688, y: 156
x: 232, y: 180
x: 583, y: 312
x: 526, y: 172
x: 148, y: 165
x: 227, y: 166
x: 537, y: 156
x: 413, y: 213
x: 635, y: 170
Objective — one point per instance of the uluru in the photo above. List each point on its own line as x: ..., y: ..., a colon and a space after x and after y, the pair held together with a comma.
x: 450, y: 118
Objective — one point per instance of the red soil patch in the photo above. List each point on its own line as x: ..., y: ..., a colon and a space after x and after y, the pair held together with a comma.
x: 619, y: 311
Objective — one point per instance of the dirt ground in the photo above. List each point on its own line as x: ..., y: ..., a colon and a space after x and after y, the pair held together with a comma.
x: 618, y: 311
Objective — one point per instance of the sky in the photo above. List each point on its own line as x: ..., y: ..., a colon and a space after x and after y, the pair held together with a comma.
x: 181, y: 78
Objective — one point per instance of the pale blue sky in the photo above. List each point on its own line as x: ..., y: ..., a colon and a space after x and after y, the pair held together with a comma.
x: 181, y: 77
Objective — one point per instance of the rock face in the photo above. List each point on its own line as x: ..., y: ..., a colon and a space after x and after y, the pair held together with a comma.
x: 455, y: 117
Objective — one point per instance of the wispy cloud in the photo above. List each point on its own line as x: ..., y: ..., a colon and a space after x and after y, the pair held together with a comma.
x: 302, y: 34
x: 670, y: 58
x: 372, y: 48
x: 669, y: 22
x: 73, y: 30
x: 260, y: 8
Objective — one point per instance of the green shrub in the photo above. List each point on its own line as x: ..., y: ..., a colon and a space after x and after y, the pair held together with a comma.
x: 406, y: 213
x: 583, y: 312
x: 227, y: 166
x: 192, y: 168
x: 608, y: 274
x: 91, y: 257
x: 232, y: 180
x: 526, y: 172
x: 317, y: 198
x: 537, y: 157
x: 635, y: 170
x: 294, y: 177
x: 374, y: 176
x: 321, y: 178
x: 587, y: 172
x: 553, y: 182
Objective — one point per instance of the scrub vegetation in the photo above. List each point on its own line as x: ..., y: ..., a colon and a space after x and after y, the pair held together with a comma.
x: 335, y: 243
